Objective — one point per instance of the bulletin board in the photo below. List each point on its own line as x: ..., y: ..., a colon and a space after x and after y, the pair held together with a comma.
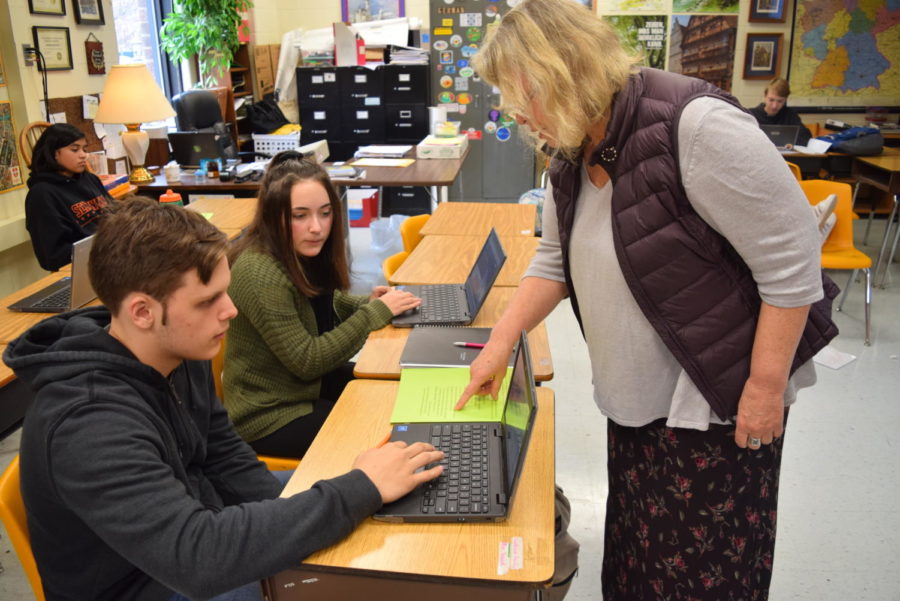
x: 72, y: 107
x: 10, y: 173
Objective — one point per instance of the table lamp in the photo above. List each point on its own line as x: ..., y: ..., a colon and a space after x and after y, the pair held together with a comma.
x: 131, y: 96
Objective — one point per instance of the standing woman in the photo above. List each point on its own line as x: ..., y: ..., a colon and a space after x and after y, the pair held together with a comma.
x: 286, y: 358
x: 65, y: 202
x: 691, y: 259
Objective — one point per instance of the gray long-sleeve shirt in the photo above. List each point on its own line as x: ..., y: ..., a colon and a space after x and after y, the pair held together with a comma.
x: 738, y: 183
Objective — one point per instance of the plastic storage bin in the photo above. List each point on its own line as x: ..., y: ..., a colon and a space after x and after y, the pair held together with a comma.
x: 273, y: 144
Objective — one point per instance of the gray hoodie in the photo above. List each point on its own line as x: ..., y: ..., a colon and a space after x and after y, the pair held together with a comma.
x: 136, y: 485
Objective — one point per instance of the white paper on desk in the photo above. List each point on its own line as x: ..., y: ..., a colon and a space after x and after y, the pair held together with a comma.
x: 112, y: 141
x: 814, y: 146
x: 833, y: 358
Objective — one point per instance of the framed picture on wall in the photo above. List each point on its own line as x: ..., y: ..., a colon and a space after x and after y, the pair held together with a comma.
x: 47, y: 7
x: 88, y: 12
x: 762, y: 58
x: 358, y: 11
x: 767, y: 11
x: 55, y: 46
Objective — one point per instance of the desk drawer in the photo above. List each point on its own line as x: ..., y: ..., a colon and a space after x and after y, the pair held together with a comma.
x: 405, y: 84
x: 406, y: 121
x: 405, y: 200
x: 323, y: 123
x: 317, y: 87
x: 363, y: 124
x: 361, y: 86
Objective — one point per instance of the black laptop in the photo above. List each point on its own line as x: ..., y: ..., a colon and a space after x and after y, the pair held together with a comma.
x: 189, y: 147
x: 782, y: 136
x: 482, y: 463
x: 456, y: 304
x: 67, y: 293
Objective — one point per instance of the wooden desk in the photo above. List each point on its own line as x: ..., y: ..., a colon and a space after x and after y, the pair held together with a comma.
x: 882, y: 172
x: 6, y: 373
x: 198, y: 185
x: 421, y: 561
x: 13, y: 323
x: 449, y: 259
x: 228, y: 214
x: 379, y: 358
x: 477, y: 219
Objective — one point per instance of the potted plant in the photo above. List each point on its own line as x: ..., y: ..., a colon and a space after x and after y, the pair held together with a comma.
x: 207, y: 29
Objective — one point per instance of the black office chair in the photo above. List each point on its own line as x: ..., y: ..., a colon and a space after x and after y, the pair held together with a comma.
x: 199, y: 111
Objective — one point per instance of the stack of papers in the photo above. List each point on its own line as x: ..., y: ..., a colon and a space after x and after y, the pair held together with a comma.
x: 342, y: 172
x: 407, y: 55
x: 387, y: 151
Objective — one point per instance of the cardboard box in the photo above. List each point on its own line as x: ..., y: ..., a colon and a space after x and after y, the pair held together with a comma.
x: 442, y: 148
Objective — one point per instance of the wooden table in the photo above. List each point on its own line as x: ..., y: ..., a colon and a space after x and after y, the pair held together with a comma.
x: 449, y: 259
x: 6, y: 373
x: 226, y: 213
x: 883, y: 172
x: 198, y: 185
x: 421, y: 561
x: 477, y: 219
x: 13, y: 323
x: 380, y: 356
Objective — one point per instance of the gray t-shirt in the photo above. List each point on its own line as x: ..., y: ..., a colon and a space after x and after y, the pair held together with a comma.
x: 738, y: 183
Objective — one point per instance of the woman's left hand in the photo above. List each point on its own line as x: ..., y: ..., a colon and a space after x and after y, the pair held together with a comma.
x: 379, y: 291
x: 760, y: 416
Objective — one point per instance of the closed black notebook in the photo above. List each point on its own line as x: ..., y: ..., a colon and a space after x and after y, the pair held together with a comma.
x: 432, y: 346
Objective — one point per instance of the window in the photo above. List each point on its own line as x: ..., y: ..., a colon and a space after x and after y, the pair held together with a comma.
x: 137, y: 25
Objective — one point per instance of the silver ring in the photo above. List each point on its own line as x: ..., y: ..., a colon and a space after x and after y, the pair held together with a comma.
x: 754, y: 442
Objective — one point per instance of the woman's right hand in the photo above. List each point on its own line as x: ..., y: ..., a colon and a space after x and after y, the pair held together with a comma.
x: 486, y: 372
x: 399, y: 301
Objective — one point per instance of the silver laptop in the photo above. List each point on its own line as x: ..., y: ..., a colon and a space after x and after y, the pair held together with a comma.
x: 782, y: 135
x: 69, y: 292
x: 482, y: 463
x: 188, y: 148
x: 456, y: 304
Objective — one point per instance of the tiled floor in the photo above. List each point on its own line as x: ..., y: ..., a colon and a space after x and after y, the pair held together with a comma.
x: 839, y: 520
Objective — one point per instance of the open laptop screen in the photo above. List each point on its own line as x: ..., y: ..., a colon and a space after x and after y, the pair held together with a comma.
x: 518, y: 413
x: 484, y: 272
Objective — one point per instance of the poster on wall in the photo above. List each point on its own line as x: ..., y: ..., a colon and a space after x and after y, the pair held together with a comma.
x: 703, y: 46
x: 844, y: 53
x: 359, y: 11
x: 645, y: 34
x: 634, y: 6
x: 10, y: 173
x: 706, y: 6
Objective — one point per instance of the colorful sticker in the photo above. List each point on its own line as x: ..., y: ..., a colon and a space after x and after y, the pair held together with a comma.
x: 451, y: 107
x: 473, y: 34
x: 467, y: 71
x: 438, y: 67
x: 490, y: 127
x: 462, y: 109
x: 503, y: 134
x: 443, y: 31
x: 462, y: 63
x: 440, y: 45
x: 468, y: 51
x: 473, y: 134
x: 464, y: 98
x: 456, y: 41
x: 507, y: 120
x: 461, y: 84
x: 446, y: 22
x: 447, y: 57
x: 470, y: 20
x: 494, y: 115
x: 449, y: 69
x: 491, y: 11
x: 446, y: 81
x: 446, y: 97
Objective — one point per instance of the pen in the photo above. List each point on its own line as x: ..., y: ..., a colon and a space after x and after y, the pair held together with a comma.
x: 469, y: 344
x: 385, y: 440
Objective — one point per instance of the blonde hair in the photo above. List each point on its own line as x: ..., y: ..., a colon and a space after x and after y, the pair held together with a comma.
x: 779, y: 87
x: 563, y: 54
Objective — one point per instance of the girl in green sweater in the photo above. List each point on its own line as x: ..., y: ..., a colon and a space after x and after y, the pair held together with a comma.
x: 287, y: 352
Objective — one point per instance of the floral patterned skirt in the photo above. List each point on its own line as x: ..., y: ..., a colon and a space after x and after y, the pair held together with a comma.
x: 690, y: 516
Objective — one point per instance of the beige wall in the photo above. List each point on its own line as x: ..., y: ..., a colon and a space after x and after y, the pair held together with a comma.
x: 18, y: 266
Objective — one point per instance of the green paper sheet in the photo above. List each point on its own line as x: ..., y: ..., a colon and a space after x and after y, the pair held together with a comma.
x: 428, y: 395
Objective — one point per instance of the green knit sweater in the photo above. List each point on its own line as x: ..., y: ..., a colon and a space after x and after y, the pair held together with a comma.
x: 274, y: 357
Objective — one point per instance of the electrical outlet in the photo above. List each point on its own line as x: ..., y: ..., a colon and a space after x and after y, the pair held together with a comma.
x: 28, y: 52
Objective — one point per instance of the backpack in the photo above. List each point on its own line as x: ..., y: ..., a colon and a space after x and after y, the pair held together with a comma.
x: 265, y: 116
x: 856, y: 141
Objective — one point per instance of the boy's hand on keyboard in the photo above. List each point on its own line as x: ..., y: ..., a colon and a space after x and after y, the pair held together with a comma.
x: 393, y: 467
x: 486, y: 373
x: 399, y: 301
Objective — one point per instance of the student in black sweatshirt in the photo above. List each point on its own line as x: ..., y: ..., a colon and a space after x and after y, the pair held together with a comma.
x: 65, y: 201
x: 775, y: 111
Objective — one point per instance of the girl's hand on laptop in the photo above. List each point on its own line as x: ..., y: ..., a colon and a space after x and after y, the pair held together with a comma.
x: 393, y: 467
x: 486, y: 372
x: 399, y: 301
x: 378, y: 292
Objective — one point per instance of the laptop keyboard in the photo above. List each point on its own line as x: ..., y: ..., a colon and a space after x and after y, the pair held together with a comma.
x: 60, y: 298
x: 463, y: 487
x: 441, y: 303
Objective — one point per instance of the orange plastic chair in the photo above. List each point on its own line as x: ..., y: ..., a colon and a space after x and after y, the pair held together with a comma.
x: 409, y: 231
x: 12, y: 514
x: 392, y: 263
x: 273, y: 463
x: 838, y: 252
x: 795, y: 169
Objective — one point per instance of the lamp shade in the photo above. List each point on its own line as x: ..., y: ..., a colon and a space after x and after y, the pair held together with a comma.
x: 131, y: 95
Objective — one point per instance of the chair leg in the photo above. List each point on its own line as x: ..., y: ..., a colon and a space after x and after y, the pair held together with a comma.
x: 840, y: 306
x: 868, y: 226
x: 887, y: 267
x: 868, y: 341
x: 886, y: 239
